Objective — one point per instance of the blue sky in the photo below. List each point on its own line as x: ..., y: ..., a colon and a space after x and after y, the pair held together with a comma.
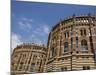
x: 32, y: 21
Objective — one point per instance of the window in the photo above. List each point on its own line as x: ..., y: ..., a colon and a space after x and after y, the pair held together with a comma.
x: 53, y: 52
x: 83, y: 32
x: 21, y: 65
x: 76, y: 42
x: 84, y: 46
x: 76, y: 33
x: 66, y: 34
x: 71, y: 34
x: 64, y: 69
x: 86, y: 67
x: 94, y: 31
x: 32, y: 66
x: 71, y: 42
x: 76, y: 39
x: 65, y: 46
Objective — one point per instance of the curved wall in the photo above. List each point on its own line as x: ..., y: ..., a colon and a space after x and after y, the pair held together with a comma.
x: 28, y: 58
x: 72, y: 44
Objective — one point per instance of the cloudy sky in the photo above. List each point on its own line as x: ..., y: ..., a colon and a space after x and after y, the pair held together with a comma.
x: 32, y: 21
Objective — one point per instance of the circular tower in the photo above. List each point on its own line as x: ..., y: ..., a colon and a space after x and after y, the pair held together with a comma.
x: 28, y: 58
x: 72, y: 44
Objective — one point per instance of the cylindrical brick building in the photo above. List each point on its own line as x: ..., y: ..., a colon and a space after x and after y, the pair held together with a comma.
x: 28, y: 58
x: 72, y: 44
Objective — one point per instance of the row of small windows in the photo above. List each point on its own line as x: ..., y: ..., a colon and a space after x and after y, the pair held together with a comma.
x: 78, y: 21
x: 84, y: 45
x: 83, y: 21
x: 29, y: 47
x: 83, y: 32
x: 84, y: 68
x: 32, y: 68
x: 64, y: 69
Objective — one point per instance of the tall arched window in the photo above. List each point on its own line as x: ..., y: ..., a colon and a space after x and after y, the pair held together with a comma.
x: 65, y: 46
x: 76, y: 39
x: 83, y: 32
x: 76, y: 42
x: 66, y: 34
x: 84, y: 46
x: 21, y: 65
x: 32, y: 67
x: 53, y: 52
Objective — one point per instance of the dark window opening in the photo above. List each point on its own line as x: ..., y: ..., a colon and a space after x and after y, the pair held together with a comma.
x: 53, y: 52
x: 21, y: 65
x: 71, y: 42
x: 32, y: 67
x: 84, y: 46
x: 86, y: 67
x: 64, y: 69
x: 83, y: 32
x: 66, y: 34
x: 76, y: 42
x: 65, y: 46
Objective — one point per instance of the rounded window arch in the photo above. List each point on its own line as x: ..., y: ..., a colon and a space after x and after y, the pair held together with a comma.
x: 83, y: 32
x: 84, y: 45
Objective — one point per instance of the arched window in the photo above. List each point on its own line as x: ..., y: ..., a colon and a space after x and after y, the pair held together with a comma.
x: 65, y: 46
x: 83, y: 32
x: 21, y: 65
x: 66, y: 34
x: 53, y: 52
x: 84, y: 46
x: 32, y: 67
x: 76, y: 39
x: 76, y: 42
x: 71, y: 42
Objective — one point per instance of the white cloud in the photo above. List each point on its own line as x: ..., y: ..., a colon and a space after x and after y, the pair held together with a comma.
x: 38, y: 31
x: 40, y: 34
x: 15, y: 40
x: 42, y: 30
x: 46, y: 29
x: 27, y: 19
x: 25, y: 23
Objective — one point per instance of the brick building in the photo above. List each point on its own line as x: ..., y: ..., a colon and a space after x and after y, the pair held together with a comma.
x: 28, y: 58
x: 72, y: 44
